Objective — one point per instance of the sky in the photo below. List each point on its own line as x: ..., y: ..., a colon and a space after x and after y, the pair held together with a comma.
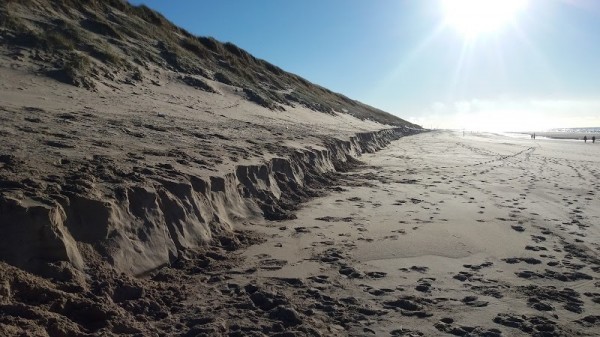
x: 438, y: 63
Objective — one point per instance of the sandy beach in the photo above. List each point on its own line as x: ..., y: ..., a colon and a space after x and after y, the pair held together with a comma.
x: 441, y: 234
x: 435, y: 235
x: 158, y: 183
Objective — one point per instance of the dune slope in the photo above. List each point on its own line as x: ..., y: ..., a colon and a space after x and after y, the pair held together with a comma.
x: 132, y: 151
x: 127, y: 135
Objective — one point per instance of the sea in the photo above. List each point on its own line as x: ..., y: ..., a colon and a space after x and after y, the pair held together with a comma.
x: 560, y: 133
x: 576, y: 130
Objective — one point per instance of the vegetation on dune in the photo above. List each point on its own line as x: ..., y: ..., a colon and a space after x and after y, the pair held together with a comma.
x: 75, y: 70
x: 100, y: 27
x: 113, y: 36
x: 194, y: 46
x: 197, y: 83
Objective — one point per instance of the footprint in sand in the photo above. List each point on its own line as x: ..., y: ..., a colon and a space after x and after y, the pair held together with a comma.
x: 272, y: 264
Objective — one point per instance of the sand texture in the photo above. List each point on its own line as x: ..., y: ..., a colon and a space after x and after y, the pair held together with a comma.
x: 142, y: 187
x: 133, y: 154
x: 153, y: 183
x: 437, y: 234
x: 123, y: 132
x: 448, y: 235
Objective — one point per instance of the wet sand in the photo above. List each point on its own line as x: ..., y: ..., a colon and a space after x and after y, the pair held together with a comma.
x: 442, y: 234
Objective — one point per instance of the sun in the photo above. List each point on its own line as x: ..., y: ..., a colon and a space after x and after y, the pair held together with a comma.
x: 476, y: 17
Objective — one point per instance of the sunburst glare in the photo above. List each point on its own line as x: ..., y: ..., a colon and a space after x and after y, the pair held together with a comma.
x: 475, y: 17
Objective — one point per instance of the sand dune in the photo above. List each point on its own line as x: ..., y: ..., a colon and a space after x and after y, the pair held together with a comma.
x: 128, y: 183
x: 154, y: 183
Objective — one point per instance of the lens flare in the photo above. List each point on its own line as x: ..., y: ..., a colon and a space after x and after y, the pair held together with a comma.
x: 475, y: 17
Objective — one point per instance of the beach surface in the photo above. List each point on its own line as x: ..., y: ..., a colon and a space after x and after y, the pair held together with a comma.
x: 155, y: 183
x: 435, y: 235
x: 440, y: 234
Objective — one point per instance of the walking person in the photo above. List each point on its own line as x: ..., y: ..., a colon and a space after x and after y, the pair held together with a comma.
x: 585, y: 139
x: 593, y: 139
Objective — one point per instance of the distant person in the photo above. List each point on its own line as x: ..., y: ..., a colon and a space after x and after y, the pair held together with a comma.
x: 585, y: 139
x: 593, y: 139
x: 534, y: 135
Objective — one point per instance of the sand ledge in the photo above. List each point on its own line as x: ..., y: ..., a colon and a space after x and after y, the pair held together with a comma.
x: 152, y: 225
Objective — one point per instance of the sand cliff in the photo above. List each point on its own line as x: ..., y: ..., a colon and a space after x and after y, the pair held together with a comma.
x: 149, y: 225
x: 128, y: 134
x: 134, y: 155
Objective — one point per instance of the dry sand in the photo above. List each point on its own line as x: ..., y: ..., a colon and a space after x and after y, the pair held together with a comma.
x: 88, y: 158
x: 448, y: 235
x: 437, y: 234
x: 122, y: 210
x: 167, y: 185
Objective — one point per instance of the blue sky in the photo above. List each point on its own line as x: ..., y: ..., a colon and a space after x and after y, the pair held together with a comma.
x: 403, y: 56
